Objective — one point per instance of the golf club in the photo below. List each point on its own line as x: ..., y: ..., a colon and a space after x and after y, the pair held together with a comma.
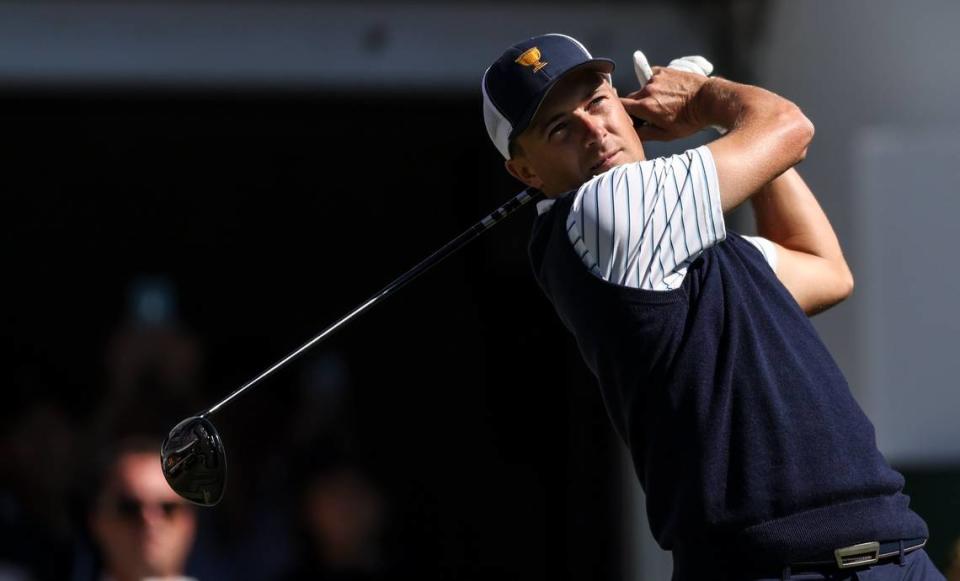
x: 192, y: 456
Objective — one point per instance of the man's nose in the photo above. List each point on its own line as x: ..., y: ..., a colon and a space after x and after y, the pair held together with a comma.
x: 151, y: 515
x: 593, y: 129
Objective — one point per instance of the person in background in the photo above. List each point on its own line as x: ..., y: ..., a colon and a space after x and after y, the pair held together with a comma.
x: 953, y: 569
x: 37, y: 457
x: 342, y: 518
x: 140, y: 526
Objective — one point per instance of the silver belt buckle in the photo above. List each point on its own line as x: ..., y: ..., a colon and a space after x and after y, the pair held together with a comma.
x: 858, y: 555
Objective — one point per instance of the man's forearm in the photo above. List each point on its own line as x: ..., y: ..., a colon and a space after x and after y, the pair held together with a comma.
x: 768, y: 134
x: 810, y: 263
x: 788, y: 213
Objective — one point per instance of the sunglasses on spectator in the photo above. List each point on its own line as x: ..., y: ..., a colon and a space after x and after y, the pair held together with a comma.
x: 131, y: 508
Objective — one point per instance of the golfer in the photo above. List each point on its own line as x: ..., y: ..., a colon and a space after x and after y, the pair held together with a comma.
x: 756, y: 460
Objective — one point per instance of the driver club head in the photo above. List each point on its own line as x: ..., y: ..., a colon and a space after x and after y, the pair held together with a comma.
x: 194, y: 462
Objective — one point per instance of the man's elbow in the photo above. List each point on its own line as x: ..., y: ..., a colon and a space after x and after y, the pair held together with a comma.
x: 799, y: 131
x: 831, y: 290
x: 841, y: 284
x: 845, y: 283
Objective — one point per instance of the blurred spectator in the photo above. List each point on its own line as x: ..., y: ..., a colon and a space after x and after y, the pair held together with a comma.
x: 324, y: 407
x: 36, y: 460
x: 151, y: 355
x: 141, y: 528
x: 953, y: 569
x: 343, y: 520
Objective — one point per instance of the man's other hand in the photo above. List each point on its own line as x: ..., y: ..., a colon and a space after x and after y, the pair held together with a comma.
x: 692, y: 64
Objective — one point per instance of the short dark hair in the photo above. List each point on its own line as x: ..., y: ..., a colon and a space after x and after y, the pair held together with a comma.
x: 95, y: 480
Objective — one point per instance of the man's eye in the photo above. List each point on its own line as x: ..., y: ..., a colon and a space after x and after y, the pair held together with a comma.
x: 557, y: 128
x: 597, y: 100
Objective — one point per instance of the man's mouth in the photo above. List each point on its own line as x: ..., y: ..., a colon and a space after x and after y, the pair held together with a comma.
x: 604, y: 163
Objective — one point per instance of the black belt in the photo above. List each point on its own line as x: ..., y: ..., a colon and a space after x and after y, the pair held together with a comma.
x: 864, y: 554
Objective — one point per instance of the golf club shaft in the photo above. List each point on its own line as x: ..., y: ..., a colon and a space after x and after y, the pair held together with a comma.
x: 446, y: 250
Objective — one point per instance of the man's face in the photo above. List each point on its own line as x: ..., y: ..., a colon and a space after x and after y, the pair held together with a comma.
x: 143, y: 528
x: 581, y: 130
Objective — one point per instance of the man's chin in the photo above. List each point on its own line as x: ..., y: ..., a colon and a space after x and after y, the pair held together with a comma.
x: 160, y: 563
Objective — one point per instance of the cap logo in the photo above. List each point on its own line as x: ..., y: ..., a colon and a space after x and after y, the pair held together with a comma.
x: 531, y: 58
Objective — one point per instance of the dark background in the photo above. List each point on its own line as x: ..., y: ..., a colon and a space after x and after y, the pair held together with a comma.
x: 273, y: 216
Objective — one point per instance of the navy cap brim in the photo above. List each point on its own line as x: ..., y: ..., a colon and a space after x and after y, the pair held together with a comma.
x: 602, y: 65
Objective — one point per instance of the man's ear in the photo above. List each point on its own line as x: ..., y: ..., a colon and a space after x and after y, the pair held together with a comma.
x: 520, y: 168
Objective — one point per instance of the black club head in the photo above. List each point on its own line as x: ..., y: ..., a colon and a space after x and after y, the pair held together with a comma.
x: 194, y: 462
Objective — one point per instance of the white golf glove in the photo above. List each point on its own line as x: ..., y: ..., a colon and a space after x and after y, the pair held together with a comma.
x: 692, y: 64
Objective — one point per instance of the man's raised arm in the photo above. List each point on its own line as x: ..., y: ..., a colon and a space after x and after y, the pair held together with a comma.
x: 767, y: 136
x: 767, y: 133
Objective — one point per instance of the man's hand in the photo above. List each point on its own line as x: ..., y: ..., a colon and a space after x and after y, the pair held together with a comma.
x: 695, y: 64
x: 667, y: 104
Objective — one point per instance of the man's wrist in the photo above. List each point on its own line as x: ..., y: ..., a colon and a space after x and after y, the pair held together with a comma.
x: 712, y: 104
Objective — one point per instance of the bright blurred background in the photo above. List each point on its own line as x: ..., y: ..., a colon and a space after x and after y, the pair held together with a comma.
x: 191, y: 189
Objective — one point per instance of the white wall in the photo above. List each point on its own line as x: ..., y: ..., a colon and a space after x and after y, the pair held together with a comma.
x: 854, y: 65
x: 906, y: 195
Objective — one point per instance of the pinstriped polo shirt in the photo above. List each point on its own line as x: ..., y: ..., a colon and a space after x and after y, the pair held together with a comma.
x: 640, y: 225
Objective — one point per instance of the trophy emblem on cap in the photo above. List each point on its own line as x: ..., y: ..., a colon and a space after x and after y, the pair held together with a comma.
x: 531, y: 58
